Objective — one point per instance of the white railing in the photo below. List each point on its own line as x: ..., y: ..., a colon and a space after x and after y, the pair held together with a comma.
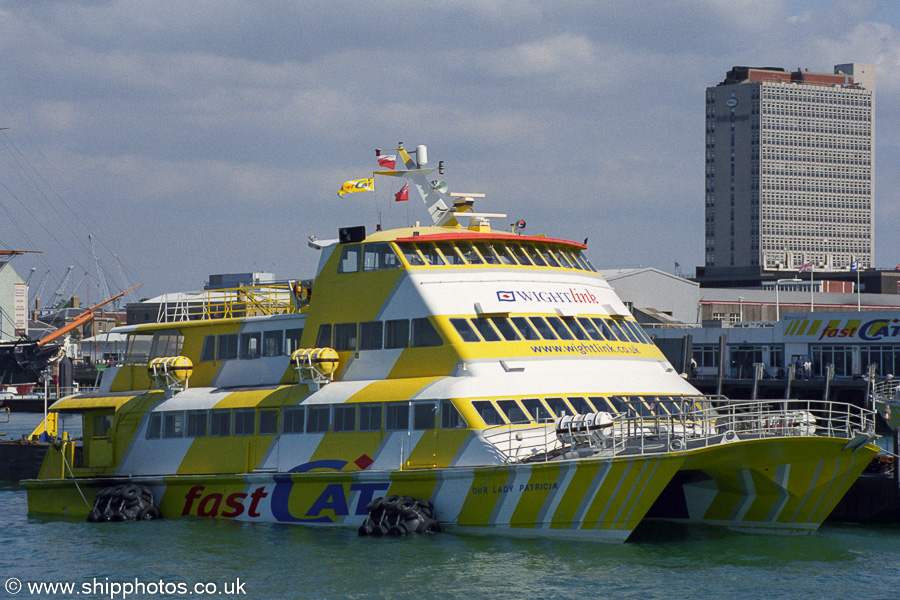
x: 694, y: 425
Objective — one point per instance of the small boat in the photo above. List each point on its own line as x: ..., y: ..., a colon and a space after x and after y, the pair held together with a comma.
x: 465, y: 377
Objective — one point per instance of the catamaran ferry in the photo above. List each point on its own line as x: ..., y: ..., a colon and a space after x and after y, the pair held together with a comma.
x: 491, y: 375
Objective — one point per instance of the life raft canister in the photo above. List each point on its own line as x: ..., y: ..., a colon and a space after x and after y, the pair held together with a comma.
x: 179, y: 368
x: 323, y: 360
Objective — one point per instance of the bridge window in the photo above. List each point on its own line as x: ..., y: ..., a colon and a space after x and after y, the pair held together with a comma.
x: 489, y: 256
x: 503, y: 253
x: 350, y: 256
x: 520, y: 255
x: 432, y: 255
x: 411, y: 254
x: 484, y: 328
x: 470, y: 254
x: 139, y: 345
x: 534, y: 255
x: 379, y: 257
x: 450, y: 254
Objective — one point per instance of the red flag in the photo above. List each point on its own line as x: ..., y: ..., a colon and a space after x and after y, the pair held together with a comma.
x: 403, y: 194
x: 387, y: 161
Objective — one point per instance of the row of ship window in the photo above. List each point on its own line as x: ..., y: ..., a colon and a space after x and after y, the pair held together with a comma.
x: 397, y: 416
x: 418, y: 333
x: 380, y: 256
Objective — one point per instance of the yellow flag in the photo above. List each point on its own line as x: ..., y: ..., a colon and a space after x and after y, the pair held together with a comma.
x: 357, y: 185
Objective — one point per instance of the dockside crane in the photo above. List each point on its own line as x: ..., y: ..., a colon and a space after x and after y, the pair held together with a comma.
x: 104, y: 288
x: 58, y: 300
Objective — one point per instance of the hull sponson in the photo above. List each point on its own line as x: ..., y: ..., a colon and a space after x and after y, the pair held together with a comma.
x: 595, y: 498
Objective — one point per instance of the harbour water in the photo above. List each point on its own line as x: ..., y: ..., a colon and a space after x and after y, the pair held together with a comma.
x: 239, y: 560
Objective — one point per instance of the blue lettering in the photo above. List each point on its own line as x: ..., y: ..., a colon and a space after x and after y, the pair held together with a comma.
x: 332, y: 498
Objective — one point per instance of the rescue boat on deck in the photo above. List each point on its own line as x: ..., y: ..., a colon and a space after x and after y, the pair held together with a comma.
x: 493, y: 375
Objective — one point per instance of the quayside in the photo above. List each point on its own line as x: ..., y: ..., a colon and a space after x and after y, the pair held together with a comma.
x: 492, y: 375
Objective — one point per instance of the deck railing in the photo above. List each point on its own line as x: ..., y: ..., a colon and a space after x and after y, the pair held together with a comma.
x: 699, y: 425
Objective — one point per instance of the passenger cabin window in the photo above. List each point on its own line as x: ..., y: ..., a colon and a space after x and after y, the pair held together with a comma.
x: 396, y: 417
x: 576, y: 330
x: 396, y: 334
x: 512, y: 410
x: 450, y: 417
x: 250, y: 345
x: 344, y: 336
x: 220, y: 422
x: 542, y: 328
x: 173, y: 424
x: 323, y: 340
x: 371, y: 335
x: 483, y: 325
x: 505, y: 329
x: 272, y: 341
x: 559, y: 328
x: 525, y: 328
x: 465, y: 331
x: 580, y: 405
x: 208, y: 354
x: 424, y: 416
x: 344, y: 418
x: 292, y: 420
x: 537, y: 410
x: 166, y: 343
x: 243, y: 421
x: 487, y: 412
x: 195, y: 424
x: 370, y: 417
x: 424, y: 334
x: 317, y: 419
x: 227, y: 347
x: 154, y: 426
x: 268, y: 421
x: 139, y: 345
x: 559, y: 407
x: 292, y: 340
x: 102, y: 425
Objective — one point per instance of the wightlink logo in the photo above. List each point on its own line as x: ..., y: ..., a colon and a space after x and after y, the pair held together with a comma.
x: 570, y: 296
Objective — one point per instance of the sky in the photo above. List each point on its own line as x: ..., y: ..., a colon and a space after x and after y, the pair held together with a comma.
x: 183, y: 139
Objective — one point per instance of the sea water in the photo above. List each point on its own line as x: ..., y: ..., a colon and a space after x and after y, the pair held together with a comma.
x: 196, y: 558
